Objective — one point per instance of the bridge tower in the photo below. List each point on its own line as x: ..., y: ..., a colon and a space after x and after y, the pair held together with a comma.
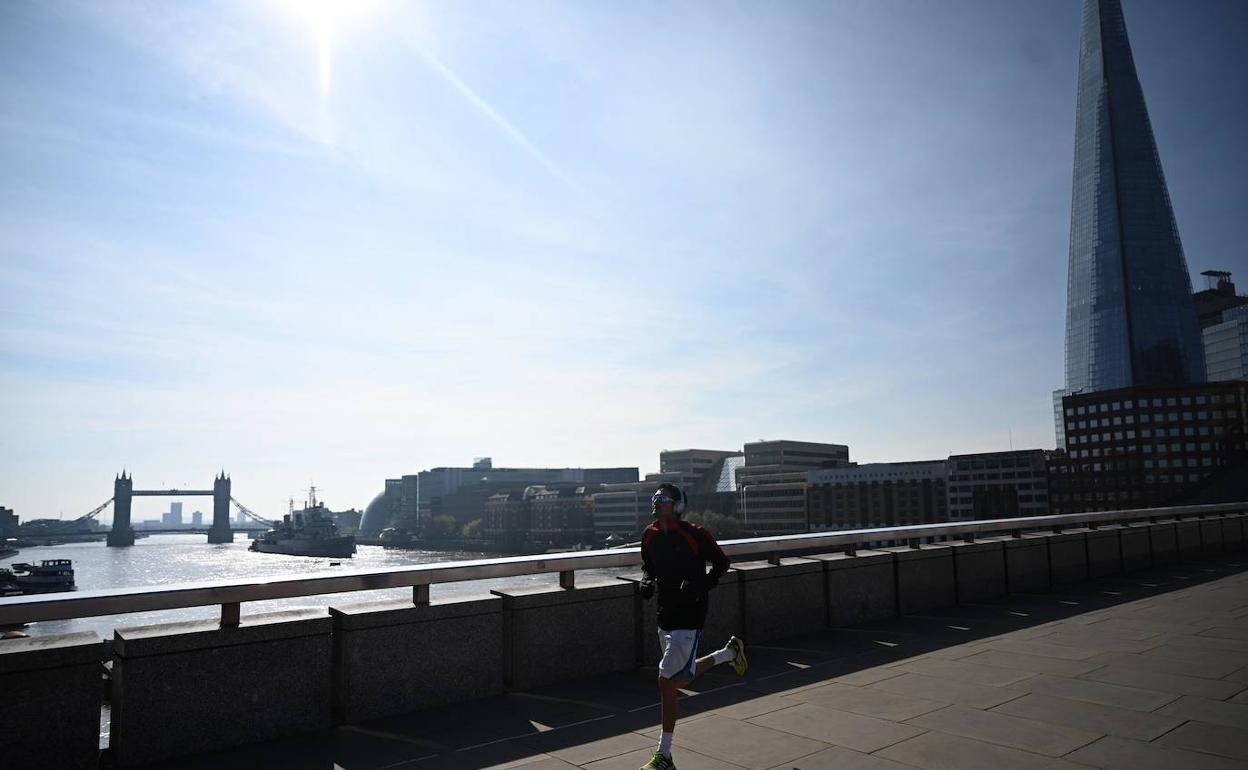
x: 122, y: 534
x: 220, y: 531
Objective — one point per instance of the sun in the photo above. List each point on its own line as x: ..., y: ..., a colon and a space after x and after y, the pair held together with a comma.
x: 322, y: 19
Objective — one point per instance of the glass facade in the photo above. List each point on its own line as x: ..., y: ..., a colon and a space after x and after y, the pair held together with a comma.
x: 1130, y: 318
x: 1226, y: 346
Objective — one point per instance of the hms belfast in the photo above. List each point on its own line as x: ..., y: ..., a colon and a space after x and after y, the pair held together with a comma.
x: 307, y: 532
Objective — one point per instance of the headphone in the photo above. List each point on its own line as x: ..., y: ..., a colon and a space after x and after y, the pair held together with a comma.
x: 678, y: 506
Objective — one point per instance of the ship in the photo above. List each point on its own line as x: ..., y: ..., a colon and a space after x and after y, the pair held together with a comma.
x: 49, y: 576
x: 307, y: 532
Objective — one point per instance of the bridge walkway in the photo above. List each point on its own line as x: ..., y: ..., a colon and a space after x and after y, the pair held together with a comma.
x: 1142, y: 671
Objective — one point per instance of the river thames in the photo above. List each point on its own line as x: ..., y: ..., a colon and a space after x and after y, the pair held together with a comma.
x: 175, y: 558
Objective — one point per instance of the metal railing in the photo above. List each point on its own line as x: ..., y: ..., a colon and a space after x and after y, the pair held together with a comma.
x: 230, y: 594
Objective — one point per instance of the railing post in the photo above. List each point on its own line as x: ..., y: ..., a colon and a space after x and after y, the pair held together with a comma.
x: 230, y: 614
x: 1017, y: 534
x: 773, y: 558
x: 915, y: 542
x: 567, y: 579
x: 969, y: 537
x: 851, y: 550
x: 420, y: 595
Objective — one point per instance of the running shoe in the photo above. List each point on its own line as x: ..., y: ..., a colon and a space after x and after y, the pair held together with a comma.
x: 659, y: 762
x: 739, y: 663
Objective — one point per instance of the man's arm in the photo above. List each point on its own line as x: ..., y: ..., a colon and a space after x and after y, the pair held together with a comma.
x: 646, y: 586
x: 716, y: 556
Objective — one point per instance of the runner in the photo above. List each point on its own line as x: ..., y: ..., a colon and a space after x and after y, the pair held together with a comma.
x: 674, y: 556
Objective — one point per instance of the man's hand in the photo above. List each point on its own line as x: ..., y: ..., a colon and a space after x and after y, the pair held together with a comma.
x: 646, y: 587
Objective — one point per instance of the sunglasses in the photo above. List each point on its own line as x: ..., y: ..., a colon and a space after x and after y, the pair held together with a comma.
x: 659, y: 499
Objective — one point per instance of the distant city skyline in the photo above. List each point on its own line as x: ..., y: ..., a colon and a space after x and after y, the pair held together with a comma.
x: 348, y: 247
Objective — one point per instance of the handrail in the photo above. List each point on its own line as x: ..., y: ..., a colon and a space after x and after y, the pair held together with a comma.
x: 230, y: 593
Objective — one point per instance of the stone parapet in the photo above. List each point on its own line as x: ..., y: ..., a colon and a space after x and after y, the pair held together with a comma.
x: 1104, y: 548
x: 1187, y: 538
x: 1068, y: 557
x: 395, y: 657
x: 1027, y: 563
x: 1135, y: 543
x: 554, y: 634
x: 1163, y: 543
x: 1233, y: 532
x: 925, y: 578
x: 859, y: 588
x: 1211, y: 540
x: 979, y: 569
x: 186, y: 688
x: 50, y: 693
x: 782, y: 600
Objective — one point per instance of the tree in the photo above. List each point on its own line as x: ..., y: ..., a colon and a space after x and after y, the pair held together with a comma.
x: 441, y: 527
x: 722, y: 526
x: 472, y: 529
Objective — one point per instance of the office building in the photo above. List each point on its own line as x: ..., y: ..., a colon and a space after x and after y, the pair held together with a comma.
x: 878, y: 495
x: 197, y: 519
x: 1226, y: 346
x: 172, y: 517
x: 998, y: 485
x: 8, y: 522
x: 1130, y: 318
x: 772, y: 501
x: 771, y: 483
x: 692, y: 464
x: 1146, y: 447
x: 562, y: 515
x: 412, y: 499
x: 1223, y: 318
x: 796, y: 455
x: 624, y: 510
x: 1216, y: 298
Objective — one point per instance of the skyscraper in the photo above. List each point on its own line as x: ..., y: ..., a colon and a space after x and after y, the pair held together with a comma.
x: 1130, y: 319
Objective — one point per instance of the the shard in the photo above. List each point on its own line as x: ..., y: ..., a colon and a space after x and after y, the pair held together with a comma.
x: 1130, y: 318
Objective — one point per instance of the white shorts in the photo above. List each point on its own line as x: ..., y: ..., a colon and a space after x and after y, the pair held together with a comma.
x: 680, y: 652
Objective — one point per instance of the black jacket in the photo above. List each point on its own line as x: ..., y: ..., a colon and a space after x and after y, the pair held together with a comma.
x: 675, y: 559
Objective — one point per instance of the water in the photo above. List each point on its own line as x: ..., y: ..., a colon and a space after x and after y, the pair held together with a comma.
x: 167, y: 559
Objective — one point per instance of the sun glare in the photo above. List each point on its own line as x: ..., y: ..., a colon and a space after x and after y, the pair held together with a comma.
x: 322, y: 19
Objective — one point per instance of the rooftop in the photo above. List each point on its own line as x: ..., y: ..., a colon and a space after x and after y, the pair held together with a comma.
x: 1142, y: 671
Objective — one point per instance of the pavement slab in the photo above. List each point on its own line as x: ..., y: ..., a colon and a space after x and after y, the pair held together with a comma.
x: 1114, y: 753
x: 1006, y: 730
x: 839, y: 728
x: 1205, y: 710
x: 941, y: 751
x: 1096, y: 692
x: 948, y: 690
x: 1221, y: 740
x: 1094, y: 717
x: 868, y: 701
x: 743, y: 743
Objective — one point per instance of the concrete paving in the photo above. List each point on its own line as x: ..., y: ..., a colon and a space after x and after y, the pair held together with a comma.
x: 1141, y: 671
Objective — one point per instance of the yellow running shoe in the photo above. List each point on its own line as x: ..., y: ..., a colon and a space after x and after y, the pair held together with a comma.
x: 659, y: 762
x: 739, y: 663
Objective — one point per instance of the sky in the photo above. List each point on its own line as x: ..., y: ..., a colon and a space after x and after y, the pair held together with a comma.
x: 334, y: 242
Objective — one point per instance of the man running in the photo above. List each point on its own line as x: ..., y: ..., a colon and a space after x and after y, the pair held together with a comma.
x: 674, y: 554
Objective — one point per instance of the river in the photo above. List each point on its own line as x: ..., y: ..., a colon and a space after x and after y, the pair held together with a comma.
x: 168, y: 559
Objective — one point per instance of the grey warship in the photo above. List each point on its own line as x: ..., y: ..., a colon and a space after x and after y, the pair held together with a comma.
x: 307, y: 532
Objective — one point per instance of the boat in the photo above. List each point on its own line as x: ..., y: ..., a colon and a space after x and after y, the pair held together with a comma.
x: 307, y: 532
x: 7, y: 551
x: 49, y: 576
x: 396, y: 537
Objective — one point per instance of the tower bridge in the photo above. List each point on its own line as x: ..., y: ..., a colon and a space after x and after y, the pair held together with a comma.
x: 122, y: 531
